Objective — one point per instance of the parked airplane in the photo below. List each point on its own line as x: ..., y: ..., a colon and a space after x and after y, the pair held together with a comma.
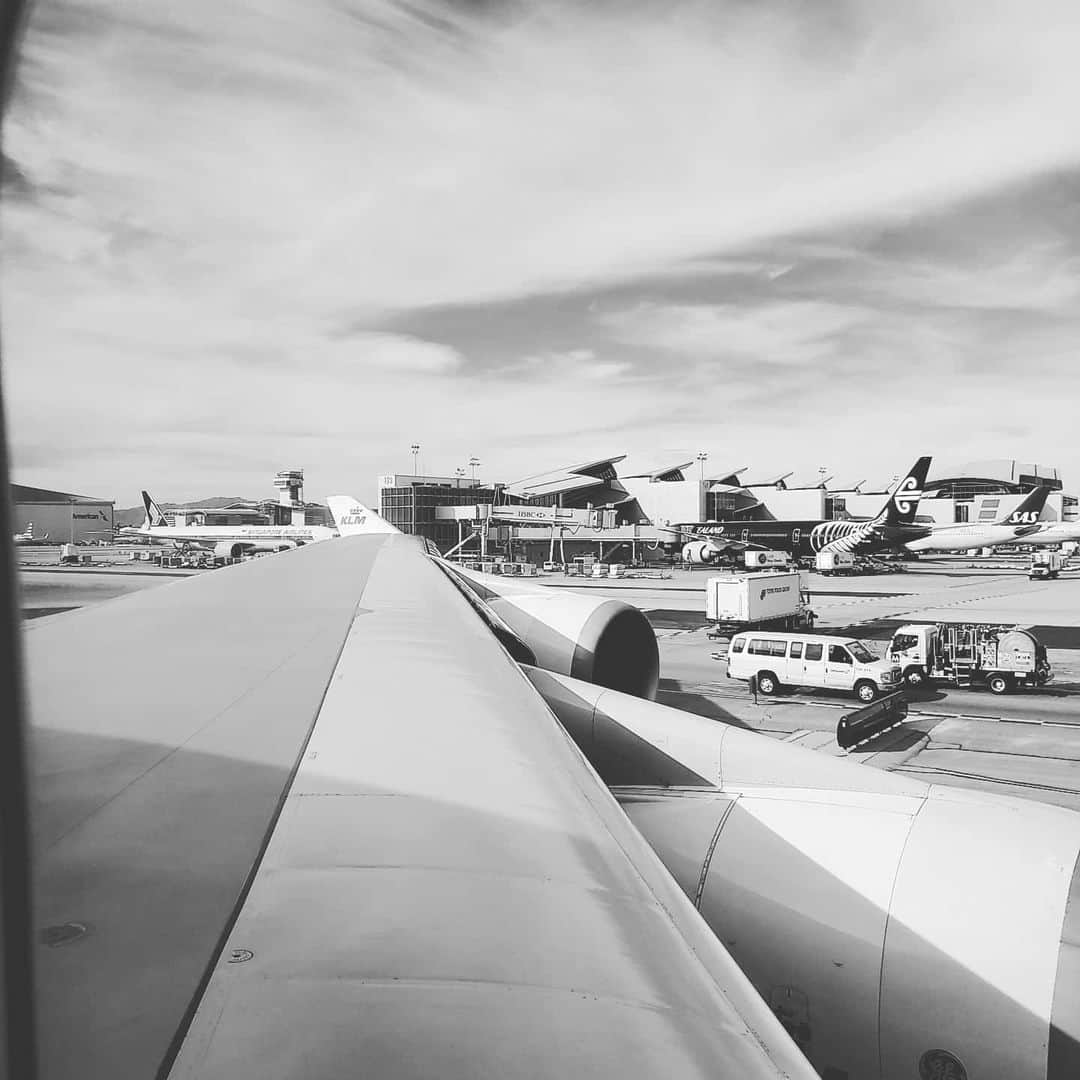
x: 229, y: 541
x: 1013, y: 527
x: 28, y: 537
x: 890, y: 529
x: 1047, y: 533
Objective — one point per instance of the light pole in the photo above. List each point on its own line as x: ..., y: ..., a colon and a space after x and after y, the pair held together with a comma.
x: 701, y: 459
x: 459, y: 472
x: 415, y: 448
x: 473, y: 462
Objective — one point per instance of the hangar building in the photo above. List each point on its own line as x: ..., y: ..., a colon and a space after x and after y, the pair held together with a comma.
x: 66, y: 518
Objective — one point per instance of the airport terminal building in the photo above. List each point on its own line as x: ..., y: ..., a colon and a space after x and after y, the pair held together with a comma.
x: 62, y: 517
x: 619, y: 513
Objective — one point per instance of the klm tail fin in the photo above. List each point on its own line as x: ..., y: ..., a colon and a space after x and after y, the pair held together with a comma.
x: 904, y: 499
x: 354, y: 519
x: 1027, y: 513
x: 154, y: 516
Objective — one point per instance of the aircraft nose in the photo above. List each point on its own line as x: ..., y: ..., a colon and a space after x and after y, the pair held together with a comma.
x: 1063, y: 1057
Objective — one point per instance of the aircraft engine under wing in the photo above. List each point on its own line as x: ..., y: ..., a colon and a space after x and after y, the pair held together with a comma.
x: 895, y: 925
x: 305, y: 817
x: 594, y: 638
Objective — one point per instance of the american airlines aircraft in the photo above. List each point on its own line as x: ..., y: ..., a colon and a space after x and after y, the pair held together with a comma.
x: 229, y: 541
x: 1016, y: 527
x: 28, y: 537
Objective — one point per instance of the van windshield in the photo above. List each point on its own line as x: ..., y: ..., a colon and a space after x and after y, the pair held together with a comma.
x: 861, y: 652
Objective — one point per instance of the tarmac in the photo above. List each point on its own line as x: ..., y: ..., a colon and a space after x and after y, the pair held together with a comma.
x: 1025, y: 744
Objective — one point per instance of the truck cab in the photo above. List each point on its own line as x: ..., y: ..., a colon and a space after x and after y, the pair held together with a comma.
x: 1045, y: 564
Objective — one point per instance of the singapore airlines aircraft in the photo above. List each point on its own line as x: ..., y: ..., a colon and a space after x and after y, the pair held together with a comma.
x: 1017, y: 526
x: 229, y: 541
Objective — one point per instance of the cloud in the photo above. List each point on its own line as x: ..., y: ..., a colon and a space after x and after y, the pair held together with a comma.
x: 797, y: 332
x: 206, y: 193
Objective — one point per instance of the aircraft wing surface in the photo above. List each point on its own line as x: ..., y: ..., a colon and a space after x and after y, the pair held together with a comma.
x: 304, y: 817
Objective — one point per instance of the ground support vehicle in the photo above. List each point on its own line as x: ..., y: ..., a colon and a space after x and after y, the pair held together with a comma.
x: 1045, y: 564
x: 828, y: 563
x: 999, y: 657
x: 777, y: 659
x: 776, y: 600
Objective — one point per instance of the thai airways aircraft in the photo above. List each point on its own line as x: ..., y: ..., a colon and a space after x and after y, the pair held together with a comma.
x: 228, y: 541
x: 28, y: 537
x: 890, y: 529
x: 1015, y: 527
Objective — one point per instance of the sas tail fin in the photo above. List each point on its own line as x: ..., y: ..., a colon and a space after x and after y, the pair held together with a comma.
x: 154, y: 516
x: 904, y: 498
x: 354, y: 519
x: 1027, y: 513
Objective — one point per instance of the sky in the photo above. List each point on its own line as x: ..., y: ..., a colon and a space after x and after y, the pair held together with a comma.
x: 243, y: 237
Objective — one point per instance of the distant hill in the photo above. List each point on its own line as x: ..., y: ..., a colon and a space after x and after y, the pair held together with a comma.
x: 135, y: 515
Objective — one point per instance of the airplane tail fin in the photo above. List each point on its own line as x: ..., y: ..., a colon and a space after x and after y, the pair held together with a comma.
x: 904, y: 499
x: 154, y: 515
x: 1027, y: 513
x: 354, y: 519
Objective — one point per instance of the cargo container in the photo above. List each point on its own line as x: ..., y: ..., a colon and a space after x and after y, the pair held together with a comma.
x: 759, y: 560
x: 774, y: 599
x: 834, y: 562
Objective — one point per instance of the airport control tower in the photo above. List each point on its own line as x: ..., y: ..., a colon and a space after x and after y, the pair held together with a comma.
x: 290, y: 485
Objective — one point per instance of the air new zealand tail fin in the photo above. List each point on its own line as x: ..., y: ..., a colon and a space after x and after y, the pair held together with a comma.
x: 904, y: 499
x: 1027, y: 513
x: 154, y: 516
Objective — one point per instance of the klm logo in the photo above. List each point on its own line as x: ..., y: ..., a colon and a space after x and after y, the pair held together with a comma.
x: 354, y: 517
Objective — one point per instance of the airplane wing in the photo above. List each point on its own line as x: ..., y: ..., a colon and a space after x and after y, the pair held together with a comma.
x: 304, y: 817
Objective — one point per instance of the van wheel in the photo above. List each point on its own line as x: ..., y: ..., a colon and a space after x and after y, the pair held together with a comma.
x: 767, y: 682
x: 865, y: 691
x: 914, y: 677
x: 997, y: 684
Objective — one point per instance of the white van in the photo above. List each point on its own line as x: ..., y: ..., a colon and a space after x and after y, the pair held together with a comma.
x: 810, y: 660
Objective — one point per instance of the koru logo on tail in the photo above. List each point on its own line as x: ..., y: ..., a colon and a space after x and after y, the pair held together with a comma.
x: 907, y: 495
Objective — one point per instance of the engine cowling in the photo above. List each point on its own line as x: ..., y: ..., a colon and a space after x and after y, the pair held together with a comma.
x: 595, y: 639
x: 700, y: 552
x: 899, y: 929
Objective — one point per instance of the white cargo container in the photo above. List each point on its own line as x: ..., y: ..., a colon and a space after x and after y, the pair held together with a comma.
x: 757, y: 600
x: 758, y: 560
x: 834, y: 562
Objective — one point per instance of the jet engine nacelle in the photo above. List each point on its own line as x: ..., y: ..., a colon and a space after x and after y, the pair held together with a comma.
x: 898, y: 929
x: 230, y: 549
x: 698, y: 551
x: 594, y: 639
